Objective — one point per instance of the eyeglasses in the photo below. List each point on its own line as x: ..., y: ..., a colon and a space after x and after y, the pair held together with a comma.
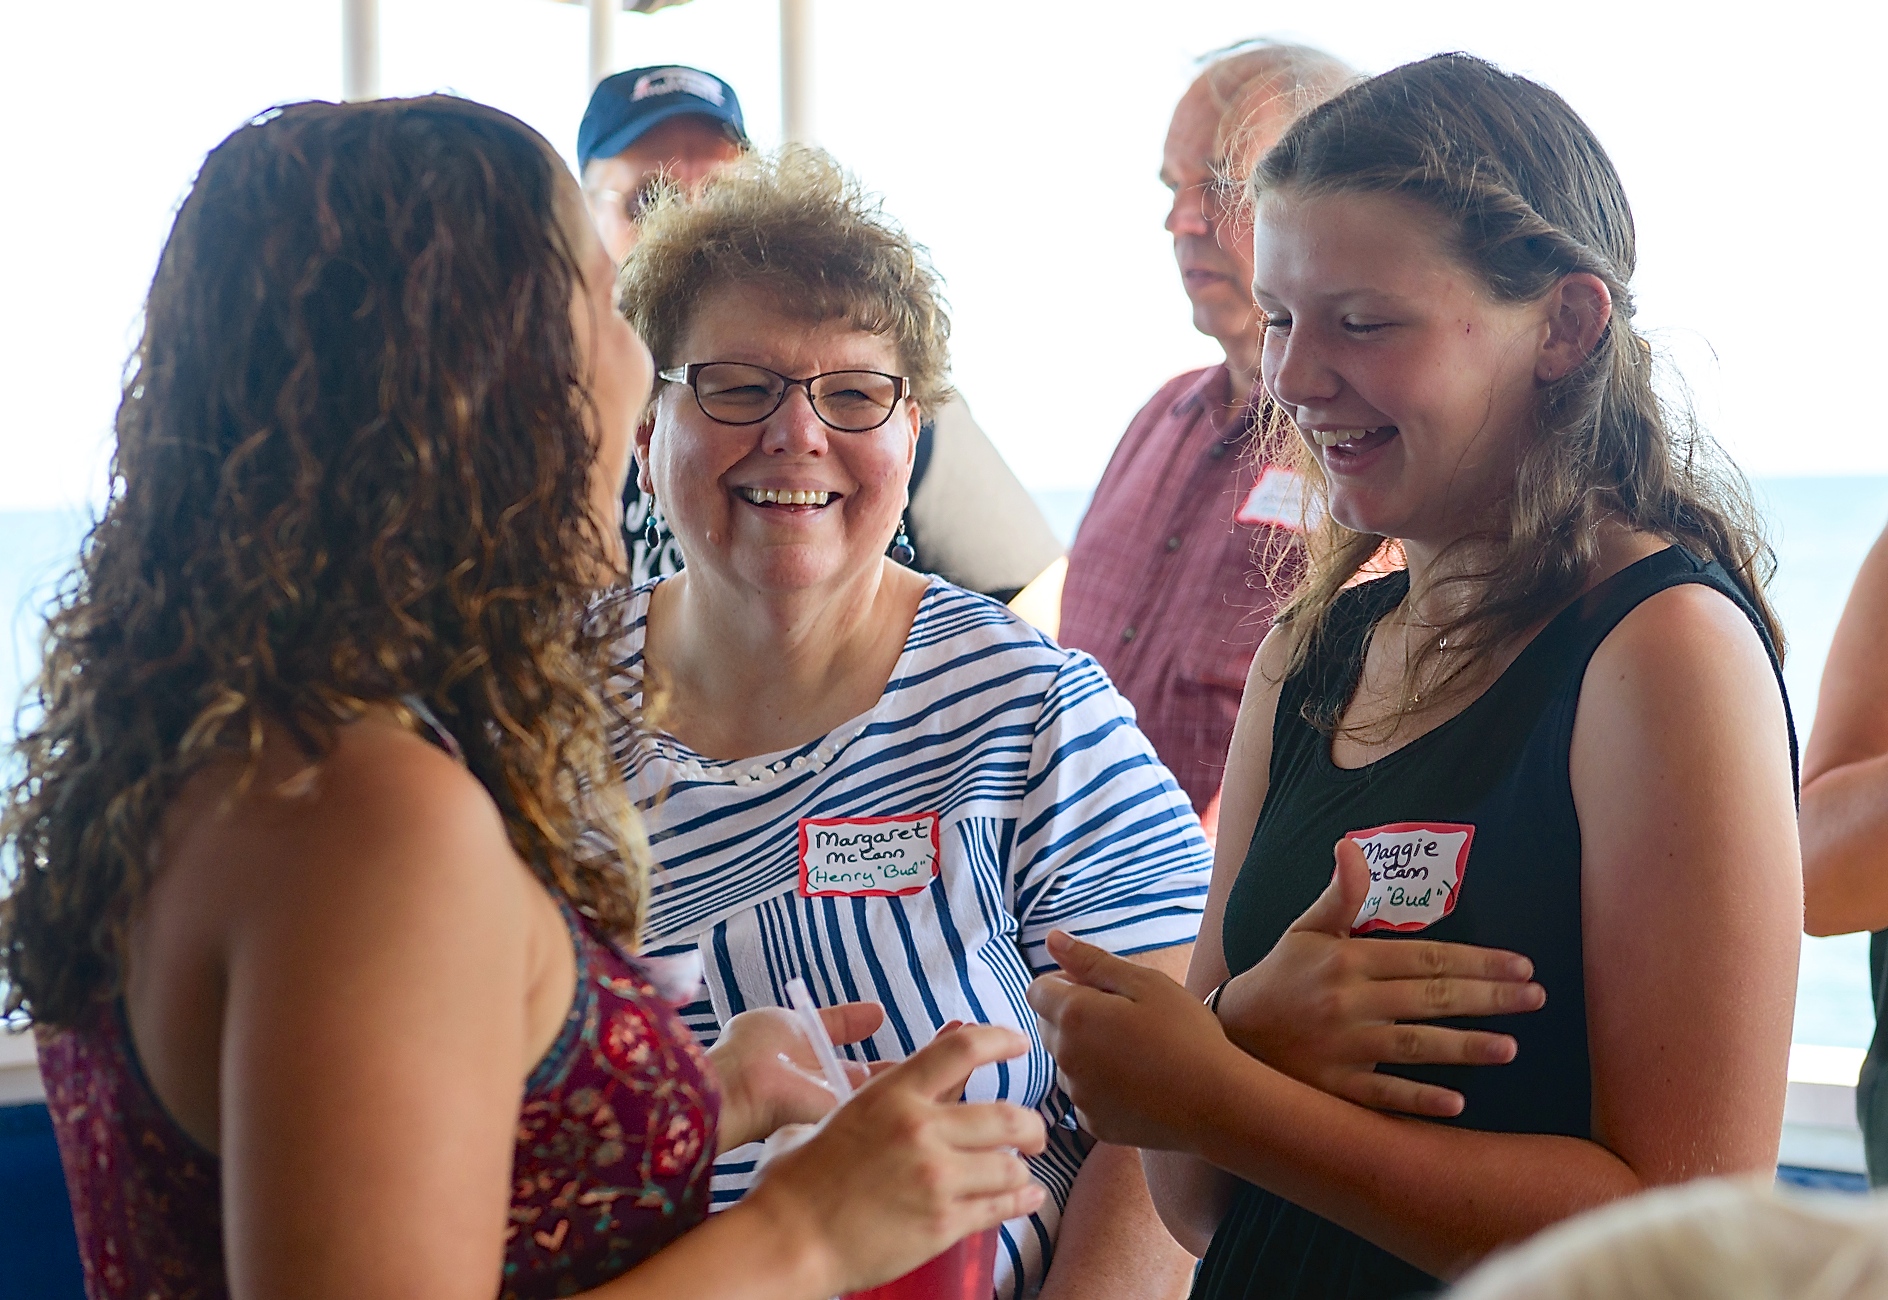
x: 629, y: 205
x: 851, y: 401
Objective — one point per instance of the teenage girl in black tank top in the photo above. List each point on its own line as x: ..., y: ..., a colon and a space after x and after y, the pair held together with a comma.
x: 1554, y: 744
x: 1499, y: 766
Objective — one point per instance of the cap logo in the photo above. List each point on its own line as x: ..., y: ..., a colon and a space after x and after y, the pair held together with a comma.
x: 677, y: 81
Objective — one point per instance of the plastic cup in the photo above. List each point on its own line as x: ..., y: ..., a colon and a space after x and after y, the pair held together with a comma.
x: 964, y: 1272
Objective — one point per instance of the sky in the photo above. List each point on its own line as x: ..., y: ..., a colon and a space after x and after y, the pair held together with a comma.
x: 1019, y: 140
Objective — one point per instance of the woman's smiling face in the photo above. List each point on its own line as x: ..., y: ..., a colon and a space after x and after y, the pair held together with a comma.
x: 1414, y: 388
x: 714, y: 480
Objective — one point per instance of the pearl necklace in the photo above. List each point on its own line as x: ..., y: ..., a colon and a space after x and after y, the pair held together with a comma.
x: 758, y: 773
x: 753, y: 773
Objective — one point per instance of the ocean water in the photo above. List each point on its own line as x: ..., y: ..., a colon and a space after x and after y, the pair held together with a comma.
x: 1821, y: 528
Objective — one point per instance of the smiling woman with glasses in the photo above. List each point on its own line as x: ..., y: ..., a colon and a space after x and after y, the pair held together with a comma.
x: 857, y: 774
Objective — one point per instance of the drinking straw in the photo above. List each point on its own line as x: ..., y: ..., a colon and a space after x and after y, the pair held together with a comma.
x: 807, y: 1012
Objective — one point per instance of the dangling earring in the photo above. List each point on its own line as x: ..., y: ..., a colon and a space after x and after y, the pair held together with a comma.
x: 902, y: 549
x: 651, y: 530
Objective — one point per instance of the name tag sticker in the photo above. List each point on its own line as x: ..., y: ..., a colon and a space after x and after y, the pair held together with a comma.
x: 868, y: 857
x: 1416, y: 871
x: 1278, y: 499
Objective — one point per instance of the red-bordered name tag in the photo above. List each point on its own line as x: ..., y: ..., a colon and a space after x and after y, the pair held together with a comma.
x: 1280, y: 498
x: 868, y: 857
x: 1416, y: 871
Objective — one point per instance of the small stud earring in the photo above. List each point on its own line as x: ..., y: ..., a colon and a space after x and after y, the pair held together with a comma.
x: 651, y: 530
x: 902, y: 549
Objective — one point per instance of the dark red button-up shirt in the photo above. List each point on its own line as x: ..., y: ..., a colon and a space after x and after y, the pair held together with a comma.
x: 1165, y: 587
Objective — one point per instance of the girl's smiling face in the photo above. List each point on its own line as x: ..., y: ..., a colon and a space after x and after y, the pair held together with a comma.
x: 1415, y: 388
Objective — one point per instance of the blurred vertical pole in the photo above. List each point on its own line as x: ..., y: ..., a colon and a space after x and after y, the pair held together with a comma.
x: 796, y: 70
x: 360, y: 49
x: 602, y: 39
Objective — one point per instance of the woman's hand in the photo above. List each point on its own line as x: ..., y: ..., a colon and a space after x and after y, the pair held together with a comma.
x: 905, y: 1169
x: 1326, y: 1008
x: 1132, y: 1047
x: 769, y: 1075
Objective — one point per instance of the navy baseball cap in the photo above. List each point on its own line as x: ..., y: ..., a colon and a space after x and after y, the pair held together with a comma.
x: 626, y: 105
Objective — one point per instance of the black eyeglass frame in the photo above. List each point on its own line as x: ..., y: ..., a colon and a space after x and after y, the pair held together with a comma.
x: 689, y: 373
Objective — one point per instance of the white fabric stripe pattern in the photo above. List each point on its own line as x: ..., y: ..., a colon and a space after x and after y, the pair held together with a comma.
x: 1053, y: 812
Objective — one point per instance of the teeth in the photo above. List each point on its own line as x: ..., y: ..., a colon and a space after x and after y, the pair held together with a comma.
x: 783, y: 497
x: 1332, y: 437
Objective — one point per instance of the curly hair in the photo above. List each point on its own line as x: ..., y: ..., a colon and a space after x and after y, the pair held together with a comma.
x: 795, y: 225
x: 1529, y: 196
x: 352, y: 465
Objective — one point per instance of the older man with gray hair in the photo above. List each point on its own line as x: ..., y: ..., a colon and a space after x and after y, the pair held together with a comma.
x: 1162, y: 584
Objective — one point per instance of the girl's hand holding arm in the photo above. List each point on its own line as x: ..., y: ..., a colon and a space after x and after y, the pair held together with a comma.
x: 1326, y: 1008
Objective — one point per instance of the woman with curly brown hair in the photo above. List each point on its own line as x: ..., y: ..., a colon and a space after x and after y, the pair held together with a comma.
x: 308, y: 909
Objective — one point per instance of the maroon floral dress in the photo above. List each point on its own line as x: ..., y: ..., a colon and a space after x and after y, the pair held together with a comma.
x: 616, y: 1140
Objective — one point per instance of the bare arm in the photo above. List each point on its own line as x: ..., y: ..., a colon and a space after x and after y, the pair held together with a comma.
x: 376, y: 1037
x: 1845, y: 768
x: 1111, y: 1242
x: 1691, y: 889
x: 1193, y: 1195
x: 1681, y: 776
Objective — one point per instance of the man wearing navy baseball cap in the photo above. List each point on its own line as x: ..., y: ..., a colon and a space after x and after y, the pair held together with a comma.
x: 647, y: 123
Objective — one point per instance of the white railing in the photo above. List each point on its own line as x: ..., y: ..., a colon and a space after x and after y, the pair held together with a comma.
x: 19, y: 1070
x: 1819, y: 1126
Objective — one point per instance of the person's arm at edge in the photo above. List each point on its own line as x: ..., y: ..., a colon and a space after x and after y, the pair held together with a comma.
x: 1682, y: 690
x: 1111, y: 1241
x: 1844, y: 818
x: 1192, y: 1195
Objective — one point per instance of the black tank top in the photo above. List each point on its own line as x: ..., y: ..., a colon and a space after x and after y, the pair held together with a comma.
x: 1473, y: 838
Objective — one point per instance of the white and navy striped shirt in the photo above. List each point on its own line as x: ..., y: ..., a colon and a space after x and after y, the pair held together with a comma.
x: 1051, y: 811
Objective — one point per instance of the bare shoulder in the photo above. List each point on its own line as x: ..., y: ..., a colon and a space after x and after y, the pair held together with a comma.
x: 1681, y: 724
x: 1678, y: 641
x: 1258, y: 712
x: 382, y: 777
x: 366, y: 890
x: 1242, y: 798
x: 382, y: 820
x: 1270, y: 664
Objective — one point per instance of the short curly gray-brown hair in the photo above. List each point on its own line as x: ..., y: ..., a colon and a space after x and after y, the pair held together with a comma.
x: 796, y: 225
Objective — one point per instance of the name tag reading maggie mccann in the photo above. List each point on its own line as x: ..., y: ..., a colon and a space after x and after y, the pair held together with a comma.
x: 1416, y: 871
x: 867, y: 857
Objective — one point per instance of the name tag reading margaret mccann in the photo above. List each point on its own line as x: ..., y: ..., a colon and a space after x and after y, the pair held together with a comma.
x: 867, y: 857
